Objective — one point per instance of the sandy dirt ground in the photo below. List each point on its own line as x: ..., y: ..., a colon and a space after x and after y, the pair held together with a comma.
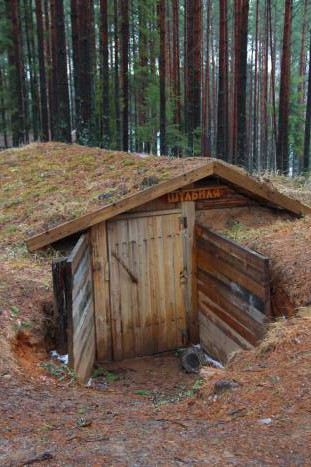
x: 147, y: 411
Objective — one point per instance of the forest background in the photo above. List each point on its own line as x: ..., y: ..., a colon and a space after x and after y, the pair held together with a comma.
x: 228, y: 79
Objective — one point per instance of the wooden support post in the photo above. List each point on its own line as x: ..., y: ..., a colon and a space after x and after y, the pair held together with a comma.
x: 60, y: 305
x: 188, y: 212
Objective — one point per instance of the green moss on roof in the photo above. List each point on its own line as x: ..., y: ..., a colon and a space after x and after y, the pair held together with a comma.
x: 46, y: 184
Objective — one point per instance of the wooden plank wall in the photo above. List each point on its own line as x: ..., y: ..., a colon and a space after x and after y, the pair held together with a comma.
x: 233, y: 294
x: 81, y: 326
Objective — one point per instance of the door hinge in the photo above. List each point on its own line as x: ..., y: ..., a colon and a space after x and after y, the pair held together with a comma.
x: 183, y: 222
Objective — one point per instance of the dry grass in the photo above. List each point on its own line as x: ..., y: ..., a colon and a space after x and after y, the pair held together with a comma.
x: 46, y: 184
x: 298, y: 187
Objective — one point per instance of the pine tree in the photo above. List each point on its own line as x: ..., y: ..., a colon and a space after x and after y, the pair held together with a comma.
x: 61, y: 117
x: 223, y: 107
x: 16, y: 74
x: 307, y: 133
x: 125, y: 72
x: 282, y: 147
x: 42, y: 72
x: 105, y: 67
x: 162, y: 74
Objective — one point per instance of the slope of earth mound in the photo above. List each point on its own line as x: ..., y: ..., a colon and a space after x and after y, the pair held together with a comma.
x: 46, y: 184
x: 147, y: 412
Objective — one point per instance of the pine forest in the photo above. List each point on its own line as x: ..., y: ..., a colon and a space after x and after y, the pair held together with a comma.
x: 227, y: 79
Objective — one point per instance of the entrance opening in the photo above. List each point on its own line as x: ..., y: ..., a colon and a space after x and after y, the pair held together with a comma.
x: 148, y: 284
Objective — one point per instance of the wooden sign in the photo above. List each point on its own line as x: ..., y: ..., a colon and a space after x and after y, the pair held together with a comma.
x: 196, y: 194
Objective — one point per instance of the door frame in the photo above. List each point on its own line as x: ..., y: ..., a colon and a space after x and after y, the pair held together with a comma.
x: 187, y: 221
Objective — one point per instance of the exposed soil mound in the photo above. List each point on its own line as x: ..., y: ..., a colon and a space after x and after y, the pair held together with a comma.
x: 287, y: 244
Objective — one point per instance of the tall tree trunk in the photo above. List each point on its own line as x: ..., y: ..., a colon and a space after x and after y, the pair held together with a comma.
x: 35, y: 112
x: 255, y: 107
x: 272, y: 54
x: 48, y: 55
x: 54, y: 74
x: 144, y: 142
x: 162, y: 72
x: 206, y: 122
x: 125, y: 72
x: 282, y: 147
x: 301, y: 85
x: 214, y: 97
x: 264, y: 94
x: 223, y: 107
x: 302, y: 59
x: 85, y: 127
x: 75, y: 58
x: 62, y: 126
x: 42, y: 72
x: 306, y: 150
x: 116, y: 74
x: 193, y: 69
x: 3, y: 126
x: 105, y: 65
x: 242, y: 7
x: 16, y: 73
x: 176, y: 64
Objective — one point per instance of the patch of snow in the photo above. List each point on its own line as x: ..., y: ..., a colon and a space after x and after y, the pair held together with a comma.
x: 89, y: 383
x: 265, y: 421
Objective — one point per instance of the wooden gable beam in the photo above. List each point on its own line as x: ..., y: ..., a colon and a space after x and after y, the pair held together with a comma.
x: 111, y: 210
x: 259, y: 189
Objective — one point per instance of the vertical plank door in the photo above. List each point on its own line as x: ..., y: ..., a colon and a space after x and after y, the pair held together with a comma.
x: 146, y: 285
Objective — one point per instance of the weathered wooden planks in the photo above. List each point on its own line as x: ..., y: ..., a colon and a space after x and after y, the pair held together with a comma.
x: 100, y: 265
x: 233, y: 294
x: 148, y: 313
x: 81, y: 326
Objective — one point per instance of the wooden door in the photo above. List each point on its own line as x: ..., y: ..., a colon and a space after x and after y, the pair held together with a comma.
x: 73, y: 292
x: 233, y: 294
x: 147, y: 284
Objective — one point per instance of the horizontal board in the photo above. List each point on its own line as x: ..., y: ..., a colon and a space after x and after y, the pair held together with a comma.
x: 231, y: 247
x: 214, y: 341
x: 229, y: 199
x: 236, y: 294
x: 226, y: 317
x: 238, y: 309
x: 206, y: 312
x: 233, y: 294
x: 258, y: 274
x: 222, y: 270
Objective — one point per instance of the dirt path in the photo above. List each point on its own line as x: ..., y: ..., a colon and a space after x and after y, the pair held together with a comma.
x: 150, y: 413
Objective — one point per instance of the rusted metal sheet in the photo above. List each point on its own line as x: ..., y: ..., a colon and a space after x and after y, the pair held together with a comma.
x: 233, y: 294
